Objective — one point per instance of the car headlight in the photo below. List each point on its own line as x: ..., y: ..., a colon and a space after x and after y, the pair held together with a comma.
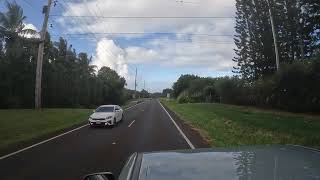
x: 90, y: 118
x: 109, y: 117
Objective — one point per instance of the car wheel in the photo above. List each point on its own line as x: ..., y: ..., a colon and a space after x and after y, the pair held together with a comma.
x: 122, y: 117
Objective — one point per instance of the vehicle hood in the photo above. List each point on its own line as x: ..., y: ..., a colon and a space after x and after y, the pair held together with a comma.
x: 259, y: 162
x: 99, y: 115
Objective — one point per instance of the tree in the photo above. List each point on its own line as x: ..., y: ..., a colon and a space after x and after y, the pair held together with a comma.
x: 69, y: 80
x: 11, y: 22
x: 297, y: 28
x: 167, y: 91
x: 182, y: 84
x: 15, y: 57
x: 112, y: 85
x: 144, y: 94
x: 210, y: 93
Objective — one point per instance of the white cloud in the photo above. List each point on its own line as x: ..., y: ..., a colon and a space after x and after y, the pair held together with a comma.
x: 146, y: 8
x: 181, y: 49
x: 195, y: 53
x: 32, y: 27
x: 136, y: 54
x: 109, y: 54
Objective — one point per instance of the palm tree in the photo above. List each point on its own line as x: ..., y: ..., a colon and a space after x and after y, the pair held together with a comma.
x: 11, y: 23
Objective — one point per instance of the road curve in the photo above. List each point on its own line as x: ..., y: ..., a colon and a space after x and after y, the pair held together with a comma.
x: 146, y: 127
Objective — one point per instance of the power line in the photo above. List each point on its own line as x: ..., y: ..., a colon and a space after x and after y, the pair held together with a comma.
x: 139, y: 33
x: 93, y: 35
x: 209, y: 42
x: 145, y: 17
x: 110, y: 53
x: 28, y: 3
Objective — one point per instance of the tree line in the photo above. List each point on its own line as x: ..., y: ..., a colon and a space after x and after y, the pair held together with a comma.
x: 68, y: 78
x: 297, y: 28
x: 295, y: 87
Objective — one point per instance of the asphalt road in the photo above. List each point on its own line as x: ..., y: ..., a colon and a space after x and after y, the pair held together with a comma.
x: 89, y: 150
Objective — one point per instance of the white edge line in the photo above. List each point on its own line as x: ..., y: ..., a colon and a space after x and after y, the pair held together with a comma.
x: 37, y: 144
x: 181, y: 132
x: 47, y: 140
x: 131, y: 123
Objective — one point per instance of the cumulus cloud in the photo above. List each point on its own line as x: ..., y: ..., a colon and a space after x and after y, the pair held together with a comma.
x: 195, y: 53
x: 32, y: 27
x: 137, y: 55
x: 179, y: 48
x: 109, y: 54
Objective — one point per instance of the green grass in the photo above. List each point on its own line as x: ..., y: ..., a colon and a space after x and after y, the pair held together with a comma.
x: 17, y: 126
x: 228, y: 125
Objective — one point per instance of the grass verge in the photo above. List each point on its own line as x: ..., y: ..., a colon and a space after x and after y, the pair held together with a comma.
x: 19, y: 126
x: 229, y: 125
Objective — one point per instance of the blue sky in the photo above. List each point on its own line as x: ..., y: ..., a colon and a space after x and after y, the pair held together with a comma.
x: 160, y: 57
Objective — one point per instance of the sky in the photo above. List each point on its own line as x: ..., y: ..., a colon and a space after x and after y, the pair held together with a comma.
x: 116, y: 34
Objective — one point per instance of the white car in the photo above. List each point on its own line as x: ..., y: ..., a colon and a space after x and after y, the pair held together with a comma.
x: 106, y: 115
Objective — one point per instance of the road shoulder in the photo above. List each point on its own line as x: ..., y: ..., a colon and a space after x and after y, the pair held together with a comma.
x: 194, y: 135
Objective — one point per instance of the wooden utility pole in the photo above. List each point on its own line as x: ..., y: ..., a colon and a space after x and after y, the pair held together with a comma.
x: 46, y: 11
x: 135, y: 83
x: 274, y: 36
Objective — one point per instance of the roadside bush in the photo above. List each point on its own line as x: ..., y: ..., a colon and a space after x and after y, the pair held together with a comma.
x: 297, y: 86
x: 232, y: 90
x: 184, y: 97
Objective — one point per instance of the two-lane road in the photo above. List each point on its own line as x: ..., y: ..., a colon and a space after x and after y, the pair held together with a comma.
x: 146, y: 127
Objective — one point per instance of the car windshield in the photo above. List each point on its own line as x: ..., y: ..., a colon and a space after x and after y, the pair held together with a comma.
x: 99, y: 80
x: 105, y: 109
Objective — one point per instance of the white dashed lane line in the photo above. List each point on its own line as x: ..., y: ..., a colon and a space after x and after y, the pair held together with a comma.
x: 131, y: 123
x: 55, y: 137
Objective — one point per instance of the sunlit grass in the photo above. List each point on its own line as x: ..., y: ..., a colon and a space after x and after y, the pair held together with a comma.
x: 229, y: 125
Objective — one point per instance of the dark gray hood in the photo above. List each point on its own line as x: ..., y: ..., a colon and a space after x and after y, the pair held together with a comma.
x: 259, y: 162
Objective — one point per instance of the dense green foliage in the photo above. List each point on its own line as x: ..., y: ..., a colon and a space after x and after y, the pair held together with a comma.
x: 229, y: 125
x: 297, y: 28
x: 36, y: 124
x: 68, y: 78
x: 167, y: 91
x: 296, y: 87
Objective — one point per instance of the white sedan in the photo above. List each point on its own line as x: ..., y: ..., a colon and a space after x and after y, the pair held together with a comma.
x: 106, y: 115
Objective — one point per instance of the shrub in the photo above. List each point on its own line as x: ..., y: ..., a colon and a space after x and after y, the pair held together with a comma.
x: 184, y: 98
x: 297, y: 86
x: 231, y: 90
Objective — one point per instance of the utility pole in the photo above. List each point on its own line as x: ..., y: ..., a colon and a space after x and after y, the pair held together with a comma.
x: 144, y: 84
x: 46, y: 11
x: 301, y: 49
x: 135, y: 83
x: 274, y: 36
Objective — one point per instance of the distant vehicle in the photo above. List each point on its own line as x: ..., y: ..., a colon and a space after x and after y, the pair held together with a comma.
x: 106, y: 115
x: 255, y: 162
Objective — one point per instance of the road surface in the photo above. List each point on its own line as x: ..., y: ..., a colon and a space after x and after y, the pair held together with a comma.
x: 146, y: 127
